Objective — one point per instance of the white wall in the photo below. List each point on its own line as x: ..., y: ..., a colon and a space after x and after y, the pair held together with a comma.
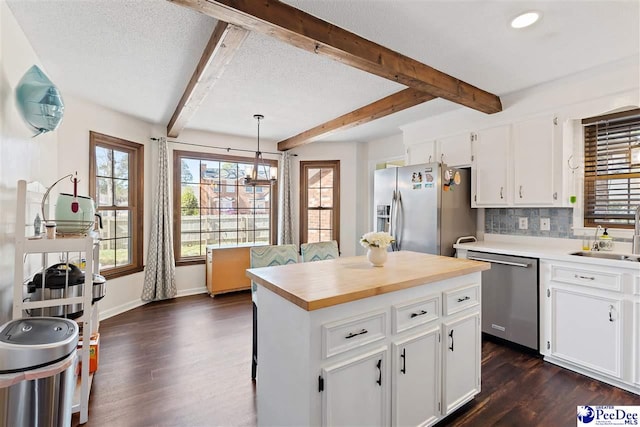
x: 21, y: 157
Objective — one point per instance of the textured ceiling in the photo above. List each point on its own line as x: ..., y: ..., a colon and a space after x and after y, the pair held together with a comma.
x: 137, y: 56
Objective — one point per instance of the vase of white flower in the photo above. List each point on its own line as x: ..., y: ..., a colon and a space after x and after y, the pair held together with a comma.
x: 377, y: 244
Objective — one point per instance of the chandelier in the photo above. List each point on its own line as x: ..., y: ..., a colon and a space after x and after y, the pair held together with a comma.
x: 253, y: 173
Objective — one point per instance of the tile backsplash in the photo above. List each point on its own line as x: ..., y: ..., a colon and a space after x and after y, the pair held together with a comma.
x: 506, y: 221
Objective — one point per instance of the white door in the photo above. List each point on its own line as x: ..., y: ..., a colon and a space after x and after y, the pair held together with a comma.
x: 586, y: 329
x: 461, y: 347
x: 636, y: 338
x: 533, y: 161
x: 355, y: 391
x: 490, y: 167
x: 636, y: 334
x: 416, y: 379
x: 455, y: 150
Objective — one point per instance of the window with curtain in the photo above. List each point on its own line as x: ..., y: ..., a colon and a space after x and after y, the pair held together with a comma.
x: 213, y: 206
x: 612, y: 169
x: 319, y: 201
x: 116, y: 185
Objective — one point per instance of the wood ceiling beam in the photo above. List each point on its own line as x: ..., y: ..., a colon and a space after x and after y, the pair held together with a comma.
x: 383, y: 107
x: 222, y: 46
x: 305, y: 31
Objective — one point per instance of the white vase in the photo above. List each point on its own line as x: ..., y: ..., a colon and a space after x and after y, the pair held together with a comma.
x: 377, y: 256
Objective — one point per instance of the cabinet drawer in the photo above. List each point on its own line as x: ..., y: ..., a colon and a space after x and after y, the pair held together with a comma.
x: 586, y: 277
x: 343, y: 335
x: 412, y: 314
x: 461, y: 299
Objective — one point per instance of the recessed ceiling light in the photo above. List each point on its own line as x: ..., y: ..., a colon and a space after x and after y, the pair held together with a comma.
x: 525, y: 19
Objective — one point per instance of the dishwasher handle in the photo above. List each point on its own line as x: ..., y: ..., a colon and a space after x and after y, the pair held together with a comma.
x: 495, y: 261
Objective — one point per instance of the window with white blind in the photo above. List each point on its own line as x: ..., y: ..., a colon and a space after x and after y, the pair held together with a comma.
x: 611, y: 169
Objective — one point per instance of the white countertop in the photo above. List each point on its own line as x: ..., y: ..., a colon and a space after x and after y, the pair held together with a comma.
x: 545, y: 248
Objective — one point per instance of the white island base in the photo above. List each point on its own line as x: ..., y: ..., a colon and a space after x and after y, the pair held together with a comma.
x: 405, y: 357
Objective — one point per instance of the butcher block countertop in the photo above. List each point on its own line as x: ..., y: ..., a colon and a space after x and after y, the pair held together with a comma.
x: 315, y: 285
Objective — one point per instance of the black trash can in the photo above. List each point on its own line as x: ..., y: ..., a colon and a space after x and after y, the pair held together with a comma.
x: 37, y: 372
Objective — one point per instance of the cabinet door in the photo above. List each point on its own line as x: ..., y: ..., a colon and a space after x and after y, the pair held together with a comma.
x: 461, y: 361
x: 455, y: 150
x: 415, y: 395
x: 586, y: 330
x: 491, y: 166
x: 355, y: 391
x: 533, y: 162
x: 424, y: 152
x: 636, y: 340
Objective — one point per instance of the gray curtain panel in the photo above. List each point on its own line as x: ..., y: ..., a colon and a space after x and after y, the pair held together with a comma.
x: 160, y: 271
x: 285, y: 218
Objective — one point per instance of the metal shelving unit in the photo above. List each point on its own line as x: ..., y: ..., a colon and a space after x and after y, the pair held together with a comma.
x: 48, y: 248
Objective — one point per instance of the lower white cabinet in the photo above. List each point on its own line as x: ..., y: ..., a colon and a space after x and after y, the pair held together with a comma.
x: 636, y: 339
x: 397, y: 369
x: 586, y: 330
x: 590, y: 320
x: 415, y: 396
x: 461, y: 361
x: 355, y: 391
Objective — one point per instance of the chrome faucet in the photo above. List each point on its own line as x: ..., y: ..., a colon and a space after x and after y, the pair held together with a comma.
x: 596, y: 246
x: 635, y: 246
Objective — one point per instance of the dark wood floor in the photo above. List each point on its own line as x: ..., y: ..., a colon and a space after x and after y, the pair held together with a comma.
x: 186, y: 362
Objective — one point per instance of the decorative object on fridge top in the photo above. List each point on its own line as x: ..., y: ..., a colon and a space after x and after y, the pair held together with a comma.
x: 39, y: 101
x: 74, y: 214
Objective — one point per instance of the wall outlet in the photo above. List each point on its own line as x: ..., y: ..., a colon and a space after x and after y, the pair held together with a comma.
x: 545, y: 224
x: 523, y: 223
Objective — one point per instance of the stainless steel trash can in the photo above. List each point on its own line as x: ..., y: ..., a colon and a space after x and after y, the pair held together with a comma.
x: 37, y: 371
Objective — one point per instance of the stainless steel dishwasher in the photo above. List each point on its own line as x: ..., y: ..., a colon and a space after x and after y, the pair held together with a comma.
x: 510, y: 297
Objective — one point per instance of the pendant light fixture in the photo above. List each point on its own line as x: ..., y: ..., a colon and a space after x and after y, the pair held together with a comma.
x: 252, y: 173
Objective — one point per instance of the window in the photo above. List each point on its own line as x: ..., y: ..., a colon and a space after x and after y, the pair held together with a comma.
x: 612, y: 169
x: 213, y: 206
x: 319, y: 201
x: 116, y: 184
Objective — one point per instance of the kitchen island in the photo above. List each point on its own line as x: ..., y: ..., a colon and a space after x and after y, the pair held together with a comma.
x: 341, y: 342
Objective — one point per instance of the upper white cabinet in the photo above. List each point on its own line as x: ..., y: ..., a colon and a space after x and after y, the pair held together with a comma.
x: 518, y: 164
x: 455, y: 150
x: 534, y: 162
x: 491, y: 163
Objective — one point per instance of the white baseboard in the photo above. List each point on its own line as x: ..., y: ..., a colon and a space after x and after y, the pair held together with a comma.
x: 138, y: 303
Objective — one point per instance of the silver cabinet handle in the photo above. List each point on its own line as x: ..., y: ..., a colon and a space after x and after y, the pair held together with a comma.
x: 577, y: 276
x: 520, y: 192
x: 501, y: 188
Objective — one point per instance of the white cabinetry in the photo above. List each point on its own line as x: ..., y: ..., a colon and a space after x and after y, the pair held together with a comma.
x: 49, y: 251
x: 586, y: 330
x: 590, y: 320
x: 491, y: 164
x: 349, y: 365
x: 518, y: 165
x: 461, y: 361
x: 455, y: 150
x: 415, y: 396
x: 354, y: 393
x: 535, y: 162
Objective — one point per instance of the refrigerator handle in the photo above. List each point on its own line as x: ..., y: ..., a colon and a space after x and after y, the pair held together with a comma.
x: 398, y: 222
x: 392, y: 228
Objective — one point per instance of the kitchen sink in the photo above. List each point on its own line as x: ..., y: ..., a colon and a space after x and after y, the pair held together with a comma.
x: 607, y: 255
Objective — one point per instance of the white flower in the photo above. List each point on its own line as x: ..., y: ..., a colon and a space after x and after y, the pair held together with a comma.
x: 379, y: 239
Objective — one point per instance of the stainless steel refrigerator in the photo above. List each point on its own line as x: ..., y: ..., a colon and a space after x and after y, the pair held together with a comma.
x: 426, y: 207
